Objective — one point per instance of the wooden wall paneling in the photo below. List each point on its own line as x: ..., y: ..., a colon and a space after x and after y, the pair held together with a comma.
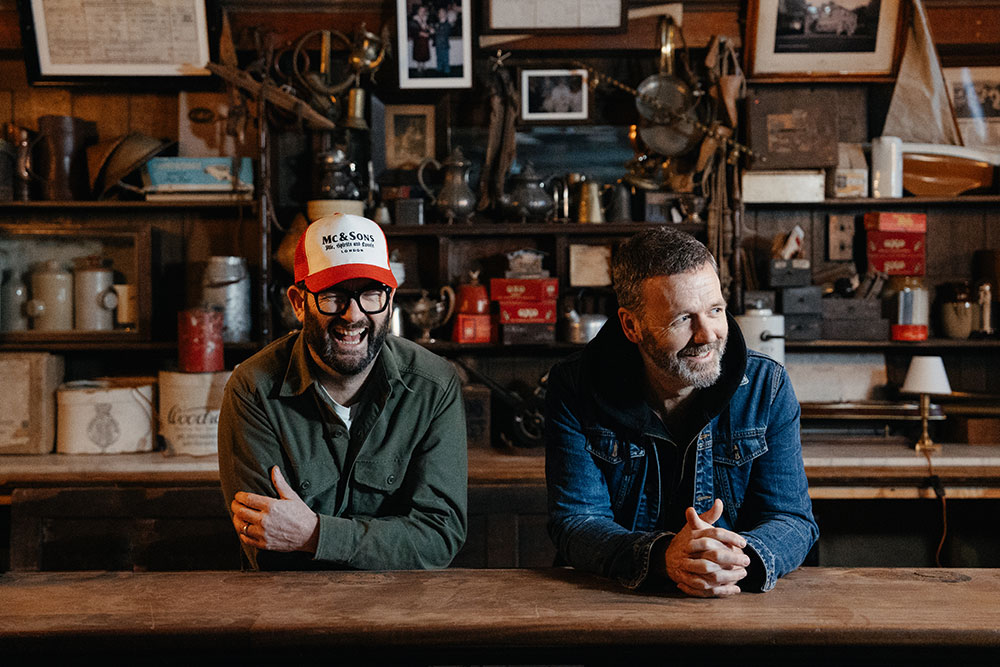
x: 953, y: 234
x: 110, y: 112
x: 154, y: 114
x: 30, y: 103
x: 6, y: 106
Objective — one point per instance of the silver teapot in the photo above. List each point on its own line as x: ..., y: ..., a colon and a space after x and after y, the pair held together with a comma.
x: 455, y: 199
x: 528, y: 199
x: 427, y: 313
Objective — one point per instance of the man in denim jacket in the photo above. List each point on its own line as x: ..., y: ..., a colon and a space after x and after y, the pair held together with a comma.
x: 673, y: 452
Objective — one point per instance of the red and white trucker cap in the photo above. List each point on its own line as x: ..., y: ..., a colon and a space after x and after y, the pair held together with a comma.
x: 340, y: 247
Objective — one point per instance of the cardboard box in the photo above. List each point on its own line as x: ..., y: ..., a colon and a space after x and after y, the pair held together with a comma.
x: 518, y: 333
x: 883, y: 221
x: 795, y: 300
x: 196, y: 174
x: 471, y: 328
x: 789, y: 273
x: 527, y: 312
x: 805, y: 326
x: 897, y: 265
x: 28, y: 401
x: 896, y: 243
x: 524, y: 289
x: 855, y: 328
x: 850, y: 177
x: 784, y: 186
x: 851, y: 309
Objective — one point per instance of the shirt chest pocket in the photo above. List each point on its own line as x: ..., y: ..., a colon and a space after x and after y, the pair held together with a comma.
x: 375, y: 481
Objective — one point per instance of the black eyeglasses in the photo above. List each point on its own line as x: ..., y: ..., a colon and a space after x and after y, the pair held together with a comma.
x: 371, y: 300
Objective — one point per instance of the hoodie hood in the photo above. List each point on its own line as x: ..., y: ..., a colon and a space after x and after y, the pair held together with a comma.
x: 616, y: 375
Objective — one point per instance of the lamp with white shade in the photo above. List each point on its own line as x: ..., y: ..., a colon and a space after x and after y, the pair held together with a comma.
x: 926, y: 376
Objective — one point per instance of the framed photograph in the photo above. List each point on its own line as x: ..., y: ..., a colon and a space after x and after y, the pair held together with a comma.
x: 434, y: 44
x: 90, y: 42
x: 555, y: 95
x: 555, y: 16
x: 812, y: 40
x: 409, y: 135
x: 975, y: 96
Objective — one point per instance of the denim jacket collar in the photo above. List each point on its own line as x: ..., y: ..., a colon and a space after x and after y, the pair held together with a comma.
x: 614, y: 362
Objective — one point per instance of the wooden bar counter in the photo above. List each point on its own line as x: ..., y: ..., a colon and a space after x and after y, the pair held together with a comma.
x: 822, y: 615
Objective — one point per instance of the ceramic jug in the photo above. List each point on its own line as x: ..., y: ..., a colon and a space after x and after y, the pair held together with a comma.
x: 94, y: 299
x: 455, y: 199
x: 51, y: 304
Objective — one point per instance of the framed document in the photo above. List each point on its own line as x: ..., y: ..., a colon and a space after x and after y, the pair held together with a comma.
x: 555, y: 16
x: 74, y: 42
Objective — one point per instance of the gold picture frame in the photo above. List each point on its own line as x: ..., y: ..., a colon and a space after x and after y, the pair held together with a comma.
x: 410, y: 135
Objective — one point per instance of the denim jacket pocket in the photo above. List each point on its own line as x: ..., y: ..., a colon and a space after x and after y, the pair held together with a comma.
x: 732, y: 461
x: 615, y: 457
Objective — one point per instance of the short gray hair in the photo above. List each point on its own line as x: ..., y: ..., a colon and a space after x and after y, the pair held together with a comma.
x: 659, y: 251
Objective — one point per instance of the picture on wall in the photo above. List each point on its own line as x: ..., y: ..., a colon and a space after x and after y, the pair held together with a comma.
x: 409, y: 135
x: 549, y: 95
x: 434, y: 43
x: 797, y: 40
x: 975, y: 96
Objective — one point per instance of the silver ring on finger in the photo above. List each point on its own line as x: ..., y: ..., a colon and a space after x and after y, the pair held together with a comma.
x: 246, y: 527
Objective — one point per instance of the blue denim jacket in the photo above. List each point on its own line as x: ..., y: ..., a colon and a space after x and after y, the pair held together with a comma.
x: 601, y: 443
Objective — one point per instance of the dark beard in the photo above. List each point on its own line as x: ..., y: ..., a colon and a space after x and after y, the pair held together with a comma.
x: 320, y: 340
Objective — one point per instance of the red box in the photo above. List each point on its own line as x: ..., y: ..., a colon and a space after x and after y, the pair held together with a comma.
x: 897, y: 243
x: 471, y: 328
x: 895, y: 264
x: 527, y: 312
x: 895, y: 222
x: 524, y: 289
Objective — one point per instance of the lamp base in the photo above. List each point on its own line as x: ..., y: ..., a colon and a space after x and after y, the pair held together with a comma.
x: 926, y: 445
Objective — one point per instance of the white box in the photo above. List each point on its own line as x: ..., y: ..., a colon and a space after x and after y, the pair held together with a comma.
x: 807, y: 185
x: 108, y: 416
x: 28, y: 401
x: 850, y: 177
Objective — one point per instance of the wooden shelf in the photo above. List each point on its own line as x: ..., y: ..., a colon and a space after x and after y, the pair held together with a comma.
x: 112, y: 204
x: 893, y: 346
x: 891, y: 202
x: 489, y: 228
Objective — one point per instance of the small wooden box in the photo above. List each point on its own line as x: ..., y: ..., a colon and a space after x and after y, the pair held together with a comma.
x: 28, y: 401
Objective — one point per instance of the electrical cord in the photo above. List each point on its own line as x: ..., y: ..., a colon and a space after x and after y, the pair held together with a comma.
x: 934, y: 482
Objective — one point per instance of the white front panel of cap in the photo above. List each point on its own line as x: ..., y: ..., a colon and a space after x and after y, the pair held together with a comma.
x: 345, y: 239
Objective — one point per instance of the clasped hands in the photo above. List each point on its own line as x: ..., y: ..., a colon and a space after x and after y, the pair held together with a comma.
x: 284, y: 523
x: 706, y: 561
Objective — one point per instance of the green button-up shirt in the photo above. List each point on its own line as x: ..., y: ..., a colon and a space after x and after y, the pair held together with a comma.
x: 391, y: 493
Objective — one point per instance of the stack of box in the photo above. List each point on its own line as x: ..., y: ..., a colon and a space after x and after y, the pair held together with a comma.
x: 525, y: 309
x: 802, y: 308
x: 798, y: 300
x: 854, y: 319
x: 896, y: 245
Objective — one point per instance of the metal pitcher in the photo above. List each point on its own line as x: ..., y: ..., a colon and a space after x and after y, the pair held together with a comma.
x: 455, y: 199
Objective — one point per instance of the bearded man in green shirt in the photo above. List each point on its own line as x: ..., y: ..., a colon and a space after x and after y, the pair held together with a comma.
x: 341, y: 446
